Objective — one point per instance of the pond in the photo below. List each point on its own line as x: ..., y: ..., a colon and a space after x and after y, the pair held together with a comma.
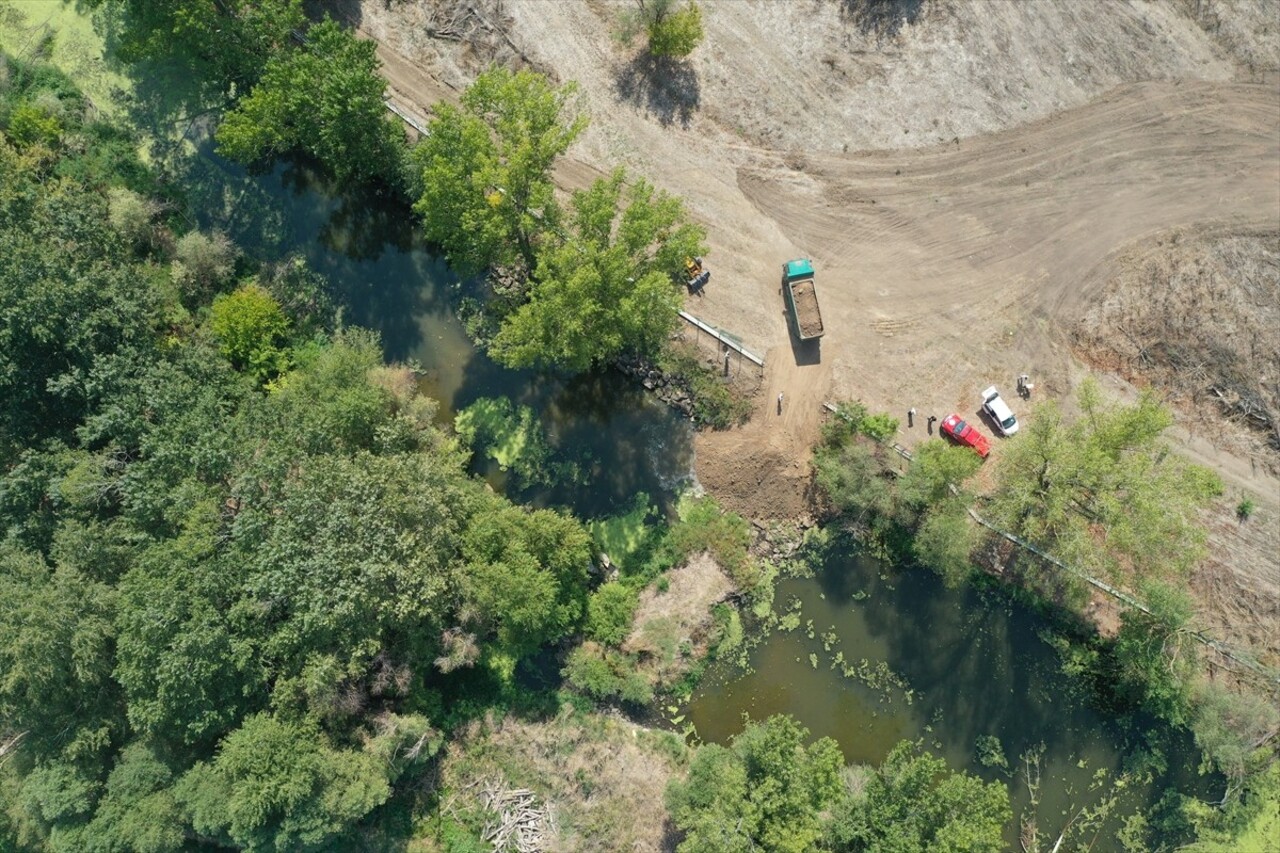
x: 953, y: 668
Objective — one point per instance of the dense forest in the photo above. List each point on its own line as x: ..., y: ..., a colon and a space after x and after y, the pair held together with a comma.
x: 250, y: 588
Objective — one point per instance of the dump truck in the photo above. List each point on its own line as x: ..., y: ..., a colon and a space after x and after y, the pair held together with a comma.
x: 802, y: 298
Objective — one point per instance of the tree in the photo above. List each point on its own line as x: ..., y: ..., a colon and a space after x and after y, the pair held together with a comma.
x: 936, y: 469
x: 1155, y: 655
x: 487, y: 197
x: 914, y: 803
x: 766, y: 791
x: 944, y: 539
x: 250, y: 328
x: 56, y: 638
x: 231, y: 40
x: 609, y: 612
x: 324, y: 98
x: 524, y: 576
x: 609, y: 287
x: 202, y: 263
x: 279, y: 785
x: 673, y: 27
x: 1105, y: 494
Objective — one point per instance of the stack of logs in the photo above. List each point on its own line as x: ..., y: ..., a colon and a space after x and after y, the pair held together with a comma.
x: 521, y: 825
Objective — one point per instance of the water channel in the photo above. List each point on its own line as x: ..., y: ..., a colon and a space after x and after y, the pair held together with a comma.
x: 943, y: 666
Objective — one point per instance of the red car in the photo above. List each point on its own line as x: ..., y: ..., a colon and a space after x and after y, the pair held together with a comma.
x: 959, y: 431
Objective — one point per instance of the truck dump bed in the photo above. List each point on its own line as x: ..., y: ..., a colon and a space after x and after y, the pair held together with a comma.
x: 802, y: 299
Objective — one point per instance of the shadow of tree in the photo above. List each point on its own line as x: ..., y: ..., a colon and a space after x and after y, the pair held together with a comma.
x: 881, y: 18
x: 663, y: 87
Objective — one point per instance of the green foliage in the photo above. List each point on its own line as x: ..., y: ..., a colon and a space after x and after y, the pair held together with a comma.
x: 673, y: 27
x: 704, y: 527
x: 202, y: 263
x: 1244, y: 509
x: 1155, y: 656
x: 1229, y: 726
x: 1105, y: 494
x: 717, y: 403
x: 324, y: 98
x: 251, y: 329
x: 525, y: 575
x: 878, y: 427
x: 608, y: 288
x: 609, y: 612
x: 854, y: 480
x: 915, y: 803
x: 508, y: 434
x: 229, y: 41
x: 944, y: 539
x: 56, y: 638
x: 766, y: 791
x: 487, y: 195
x: 30, y: 125
x: 605, y: 673
x: 1249, y: 822
x: 936, y: 469
x: 280, y: 785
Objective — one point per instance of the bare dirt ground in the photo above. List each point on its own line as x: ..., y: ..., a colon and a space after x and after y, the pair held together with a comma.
x: 969, y: 178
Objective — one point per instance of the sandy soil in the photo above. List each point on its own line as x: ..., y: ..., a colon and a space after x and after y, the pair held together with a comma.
x: 969, y: 179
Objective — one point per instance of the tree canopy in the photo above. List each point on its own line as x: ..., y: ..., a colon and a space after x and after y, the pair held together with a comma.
x: 1104, y: 493
x: 765, y: 791
x: 913, y: 803
x: 487, y: 197
x: 608, y: 287
x: 323, y: 98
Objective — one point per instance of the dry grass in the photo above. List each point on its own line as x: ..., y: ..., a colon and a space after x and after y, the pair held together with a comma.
x: 1196, y: 317
x: 666, y: 622
x: 603, y: 777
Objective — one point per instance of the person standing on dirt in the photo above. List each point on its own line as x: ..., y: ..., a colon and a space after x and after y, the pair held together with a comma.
x: 779, y: 402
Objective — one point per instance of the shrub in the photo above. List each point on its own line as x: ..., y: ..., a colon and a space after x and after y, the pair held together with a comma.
x: 609, y: 612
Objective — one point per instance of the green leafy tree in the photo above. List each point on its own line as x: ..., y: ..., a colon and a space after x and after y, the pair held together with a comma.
x: 767, y: 791
x: 324, y: 98
x: 609, y: 287
x: 230, y: 40
x: 673, y: 28
x: 1105, y: 494
x: 609, y: 612
x: 56, y: 638
x: 524, y: 576
x: 487, y: 196
x: 914, y: 803
x: 1155, y: 654
x: 944, y: 539
x: 278, y: 785
x: 202, y: 263
x: 251, y: 328
x: 936, y: 469
x: 854, y: 480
